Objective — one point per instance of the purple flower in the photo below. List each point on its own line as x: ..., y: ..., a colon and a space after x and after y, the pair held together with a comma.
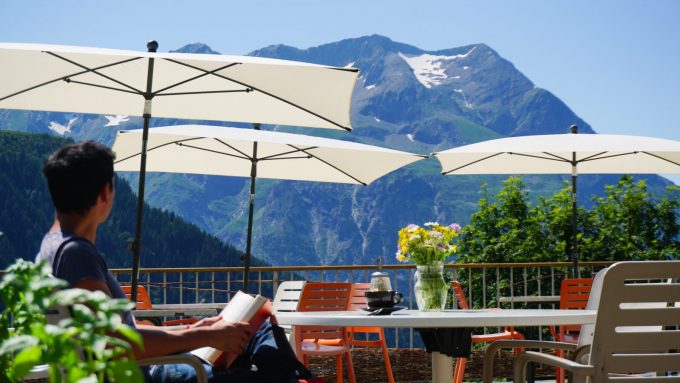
x: 455, y: 227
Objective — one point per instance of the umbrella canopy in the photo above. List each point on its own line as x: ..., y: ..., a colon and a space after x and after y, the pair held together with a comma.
x: 557, y: 153
x: 564, y: 154
x: 223, y: 151
x: 188, y: 86
x: 174, y: 85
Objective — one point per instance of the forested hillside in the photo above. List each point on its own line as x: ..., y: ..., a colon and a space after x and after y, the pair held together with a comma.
x: 26, y: 213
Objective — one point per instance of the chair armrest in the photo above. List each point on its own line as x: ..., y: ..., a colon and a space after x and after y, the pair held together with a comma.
x: 191, y: 360
x: 524, y: 358
x: 492, y: 349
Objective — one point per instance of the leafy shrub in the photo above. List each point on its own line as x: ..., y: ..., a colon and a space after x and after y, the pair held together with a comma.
x: 90, y: 346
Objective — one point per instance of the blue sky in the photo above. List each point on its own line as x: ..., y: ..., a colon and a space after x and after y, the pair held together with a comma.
x: 616, y: 63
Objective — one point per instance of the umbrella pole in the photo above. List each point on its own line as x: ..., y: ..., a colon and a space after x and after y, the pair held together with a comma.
x: 251, y: 208
x: 574, y: 210
x: 574, y: 228
x: 152, y: 46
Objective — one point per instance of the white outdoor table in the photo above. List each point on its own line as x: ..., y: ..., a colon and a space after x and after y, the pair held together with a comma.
x: 442, y: 365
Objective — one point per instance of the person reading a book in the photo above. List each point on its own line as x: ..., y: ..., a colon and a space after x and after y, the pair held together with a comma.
x: 80, y: 181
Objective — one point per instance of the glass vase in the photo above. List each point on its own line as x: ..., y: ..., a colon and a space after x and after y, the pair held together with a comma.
x: 430, y: 288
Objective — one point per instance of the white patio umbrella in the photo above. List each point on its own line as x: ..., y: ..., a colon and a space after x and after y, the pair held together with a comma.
x: 564, y: 154
x: 250, y: 153
x: 188, y: 86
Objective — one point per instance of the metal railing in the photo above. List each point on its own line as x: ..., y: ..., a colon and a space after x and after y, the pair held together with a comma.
x: 486, y: 285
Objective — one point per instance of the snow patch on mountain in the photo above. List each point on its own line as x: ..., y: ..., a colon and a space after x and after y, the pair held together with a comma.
x: 410, y: 137
x: 428, y: 68
x: 116, y: 120
x: 350, y: 65
x: 376, y: 119
x: 62, y: 129
x: 465, y: 100
x: 370, y: 87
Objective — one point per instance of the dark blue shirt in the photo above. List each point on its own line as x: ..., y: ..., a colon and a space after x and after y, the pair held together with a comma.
x: 80, y: 260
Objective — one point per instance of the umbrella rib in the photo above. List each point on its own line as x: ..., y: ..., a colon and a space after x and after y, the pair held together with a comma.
x: 284, y: 158
x: 268, y: 94
x: 592, y: 158
x: 157, y: 93
x: 63, y: 78
x: 215, y: 151
x: 661, y: 158
x: 553, y: 157
x: 206, y: 92
x: 95, y: 70
x: 245, y: 156
x: 472, y: 163
x: 158, y: 147
x: 68, y: 80
x: 595, y: 156
x: 286, y: 153
x: 329, y: 164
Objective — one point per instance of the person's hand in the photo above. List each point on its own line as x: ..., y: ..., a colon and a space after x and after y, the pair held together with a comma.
x: 230, y: 337
x: 207, y: 321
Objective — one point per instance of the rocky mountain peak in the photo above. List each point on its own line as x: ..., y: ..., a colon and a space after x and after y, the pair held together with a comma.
x: 196, y: 48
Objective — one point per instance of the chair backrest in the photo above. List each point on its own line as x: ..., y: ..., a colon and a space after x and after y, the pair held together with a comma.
x: 574, y: 293
x: 357, y: 299
x: 459, y: 294
x: 637, y: 320
x: 287, y: 296
x: 324, y: 296
x: 143, y: 299
x: 585, y: 337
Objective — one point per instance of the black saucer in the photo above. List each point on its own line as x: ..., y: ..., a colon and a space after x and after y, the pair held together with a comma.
x: 384, y: 310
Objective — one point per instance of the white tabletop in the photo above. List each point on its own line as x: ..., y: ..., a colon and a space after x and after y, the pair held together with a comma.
x: 441, y: 364
x: 447, y: 318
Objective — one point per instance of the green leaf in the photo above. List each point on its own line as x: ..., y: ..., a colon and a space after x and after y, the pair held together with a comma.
x: 125, y: 371
x: 26, y: 360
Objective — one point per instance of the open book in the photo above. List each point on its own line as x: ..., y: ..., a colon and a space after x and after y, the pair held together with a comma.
x: 241, y: 308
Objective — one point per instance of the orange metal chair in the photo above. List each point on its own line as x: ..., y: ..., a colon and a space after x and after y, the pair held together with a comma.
x: 574, y: 294
x: 144, y: 303
x: 321, y: 296
x: 365, y: 336
x: 507, y: 333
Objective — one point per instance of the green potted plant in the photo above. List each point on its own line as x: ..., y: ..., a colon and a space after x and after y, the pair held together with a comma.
x: 90, y: 345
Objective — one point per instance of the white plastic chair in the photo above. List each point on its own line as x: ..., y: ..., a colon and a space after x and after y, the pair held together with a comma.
x: 580, y: 348
x: 286, y: 300
x: 635, y: 336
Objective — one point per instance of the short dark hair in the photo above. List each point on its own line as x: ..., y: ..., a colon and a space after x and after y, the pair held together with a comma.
x: 76, y: 174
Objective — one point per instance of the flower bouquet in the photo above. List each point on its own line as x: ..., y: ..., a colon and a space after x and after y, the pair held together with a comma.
x: 428, y: 247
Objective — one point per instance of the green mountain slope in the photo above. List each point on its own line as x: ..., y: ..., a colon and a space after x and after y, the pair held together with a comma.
x: 26, y: 213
